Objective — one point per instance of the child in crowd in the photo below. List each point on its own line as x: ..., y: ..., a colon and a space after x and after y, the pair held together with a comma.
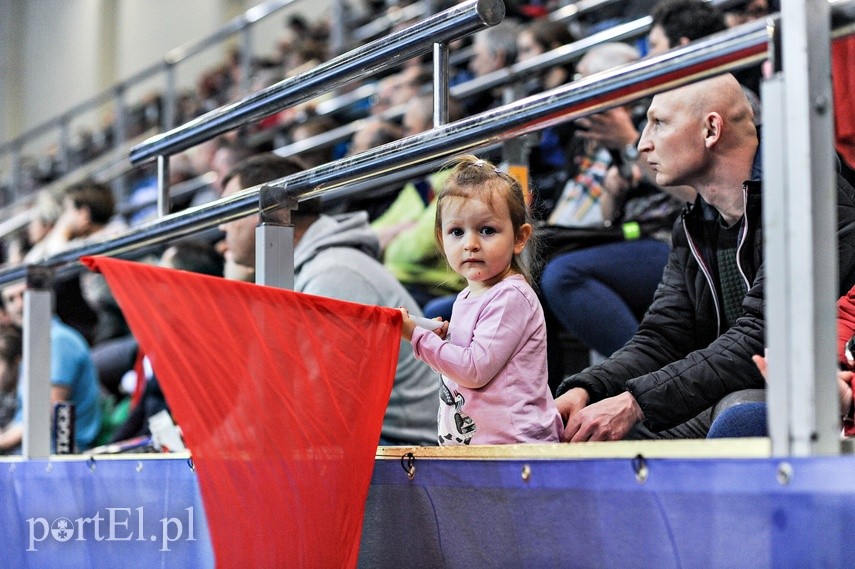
x: 492, y: 355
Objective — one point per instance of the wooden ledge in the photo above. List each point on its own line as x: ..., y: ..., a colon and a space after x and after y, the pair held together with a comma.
x: 700, y: 448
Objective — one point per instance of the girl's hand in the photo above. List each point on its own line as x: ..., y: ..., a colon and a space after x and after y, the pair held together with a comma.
x: 442, y: 331
x: 407, y: 325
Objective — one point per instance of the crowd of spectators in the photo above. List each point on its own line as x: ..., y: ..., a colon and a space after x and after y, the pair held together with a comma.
x: 605, y: 220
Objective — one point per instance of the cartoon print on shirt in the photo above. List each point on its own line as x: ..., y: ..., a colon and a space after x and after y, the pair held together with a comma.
x: 463, y: 428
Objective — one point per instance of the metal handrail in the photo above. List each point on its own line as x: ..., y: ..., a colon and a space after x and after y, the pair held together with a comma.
x: 392, y: 50
x: 505, y: 76
x: 173, y: 57
x: 559, y: 56
x: 738, y: 48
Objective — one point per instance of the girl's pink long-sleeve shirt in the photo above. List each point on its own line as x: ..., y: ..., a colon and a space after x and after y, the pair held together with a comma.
x: 493, y: 366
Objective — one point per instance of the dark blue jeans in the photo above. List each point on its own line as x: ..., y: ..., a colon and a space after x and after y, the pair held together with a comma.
x: 743, y: 420
x: 600, y: 293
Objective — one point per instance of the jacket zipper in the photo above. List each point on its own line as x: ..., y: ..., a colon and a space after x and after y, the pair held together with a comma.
x: 742, y: 236
x: 706, y: 272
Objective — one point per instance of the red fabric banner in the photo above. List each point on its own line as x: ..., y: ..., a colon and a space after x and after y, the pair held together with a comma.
x: 842, y: 64
x: 280, y: 397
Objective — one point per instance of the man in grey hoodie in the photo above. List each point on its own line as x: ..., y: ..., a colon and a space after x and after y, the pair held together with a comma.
x: 337, y: 257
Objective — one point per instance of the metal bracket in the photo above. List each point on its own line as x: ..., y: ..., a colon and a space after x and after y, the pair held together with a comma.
x: 39, y: 277
x: 275, y: 204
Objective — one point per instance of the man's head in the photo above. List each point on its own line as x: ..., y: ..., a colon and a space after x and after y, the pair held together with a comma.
x: 314, y: 126
x: 605, y: 56
x: 46, y: 211
x: 224, y: 158
x: 679, y: 22
x: 397, y: 89
x: 494, y: 48
x: 90, y: 205
x: 260, y: 169
x: 701, y: 135
x: 193, y: 256
x: 541, y: 36
x: 375, y: 133
x: 418, y: 117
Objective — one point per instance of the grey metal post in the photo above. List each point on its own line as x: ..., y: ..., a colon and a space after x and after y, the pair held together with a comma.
x: 440, y: 84
x: 163, y: 205
x: 246, y: 59
x: 120, y: 119
x: 170, y: 102
x: 38, y: 300
x: 274, y: 239
x: 17, y: 174
x: 802, y: 274
x: 338, y: 24
x: 64, y: 144
x: 776, y: 246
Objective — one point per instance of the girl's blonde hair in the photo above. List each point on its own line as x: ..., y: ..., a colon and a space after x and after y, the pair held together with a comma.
x: 474, y: 178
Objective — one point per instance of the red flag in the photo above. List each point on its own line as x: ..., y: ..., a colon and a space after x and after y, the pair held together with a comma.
x: 280, y: 397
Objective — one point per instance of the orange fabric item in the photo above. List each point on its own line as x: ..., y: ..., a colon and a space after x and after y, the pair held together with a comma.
x: 280, y: 397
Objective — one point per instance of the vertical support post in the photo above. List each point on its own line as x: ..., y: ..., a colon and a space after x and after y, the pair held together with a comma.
x: 170, y: 103
x: 274, y: 255
x: 440, y: 84
x: 776, y: 246
x: 803, y: 329
x: 64, y: 144
x: 338, y: 31
x: 17, y: 173
x: 274, y: 239
x: 246, y: 58
x: 38, y: 300
x: 120, y: 119
x: 163, y: 201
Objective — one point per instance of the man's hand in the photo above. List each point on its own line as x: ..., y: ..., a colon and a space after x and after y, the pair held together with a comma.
x: 613, y: 128
x: 571, y: 403
x: 607, y: 420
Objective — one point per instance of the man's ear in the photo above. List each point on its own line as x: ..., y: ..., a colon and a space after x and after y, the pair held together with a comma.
x: 712, y: 129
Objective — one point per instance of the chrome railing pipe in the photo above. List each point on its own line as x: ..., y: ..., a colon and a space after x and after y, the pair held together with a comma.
x: 392, y: 50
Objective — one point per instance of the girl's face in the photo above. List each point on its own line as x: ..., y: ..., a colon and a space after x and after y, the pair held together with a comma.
x: 479, y: 240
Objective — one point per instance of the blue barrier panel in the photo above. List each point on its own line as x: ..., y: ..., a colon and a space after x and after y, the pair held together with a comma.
x: 594, y: 513
x: 105, y: 513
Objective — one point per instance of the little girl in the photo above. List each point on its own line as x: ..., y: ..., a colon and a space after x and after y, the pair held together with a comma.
x: 492, y: 355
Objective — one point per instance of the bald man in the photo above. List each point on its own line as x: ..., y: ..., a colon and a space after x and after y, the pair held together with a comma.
x: 694, y: 345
